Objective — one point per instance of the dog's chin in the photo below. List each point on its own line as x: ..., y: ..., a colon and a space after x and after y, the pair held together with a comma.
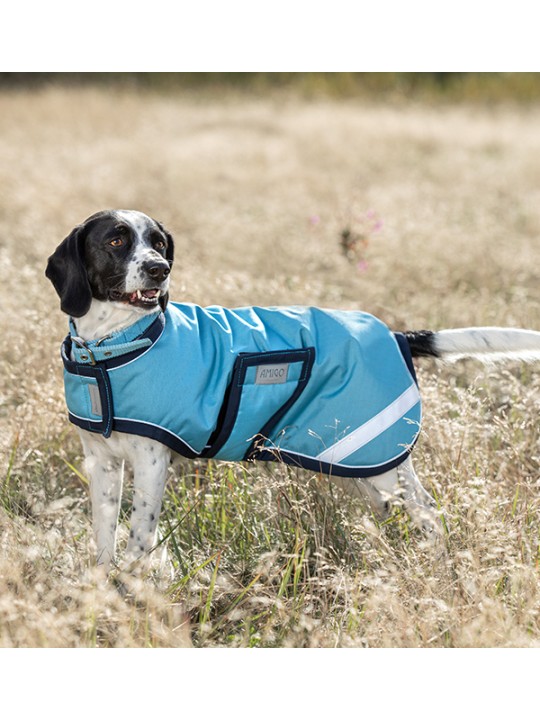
x: 147, y: 299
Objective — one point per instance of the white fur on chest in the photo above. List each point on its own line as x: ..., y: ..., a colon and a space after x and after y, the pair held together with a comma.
x: 105, y: 317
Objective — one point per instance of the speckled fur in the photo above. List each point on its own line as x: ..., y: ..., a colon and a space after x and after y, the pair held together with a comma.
x: 104, y: 464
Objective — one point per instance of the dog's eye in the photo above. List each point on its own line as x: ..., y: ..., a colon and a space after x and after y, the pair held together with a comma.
x: 116, y: 242
x: 159, y: 245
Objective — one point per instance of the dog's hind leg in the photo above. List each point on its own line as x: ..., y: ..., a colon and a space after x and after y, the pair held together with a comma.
x: 398, y: 486
x: 419, y: 504
x: 375, y: 494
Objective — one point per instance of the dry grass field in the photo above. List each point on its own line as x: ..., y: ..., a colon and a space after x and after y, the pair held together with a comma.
x: 257, y: 192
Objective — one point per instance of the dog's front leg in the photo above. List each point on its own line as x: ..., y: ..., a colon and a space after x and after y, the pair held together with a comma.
x: 105, y: 473
x: 150, y: 461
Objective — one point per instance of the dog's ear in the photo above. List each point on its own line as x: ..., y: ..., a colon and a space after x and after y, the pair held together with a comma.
x: 169, y: 256
x: 66, y: 270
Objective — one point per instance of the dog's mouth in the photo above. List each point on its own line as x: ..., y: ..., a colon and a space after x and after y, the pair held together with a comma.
x: 140, y: 298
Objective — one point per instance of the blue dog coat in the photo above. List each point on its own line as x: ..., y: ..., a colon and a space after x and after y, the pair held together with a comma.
x: 327, y: 390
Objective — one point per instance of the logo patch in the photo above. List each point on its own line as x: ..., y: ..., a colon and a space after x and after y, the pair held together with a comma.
x: 272, y: 374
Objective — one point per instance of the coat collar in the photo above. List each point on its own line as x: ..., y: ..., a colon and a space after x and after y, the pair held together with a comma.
x: 137, y: 337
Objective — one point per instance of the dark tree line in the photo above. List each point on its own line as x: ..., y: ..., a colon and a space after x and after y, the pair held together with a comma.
x: 429, y: 85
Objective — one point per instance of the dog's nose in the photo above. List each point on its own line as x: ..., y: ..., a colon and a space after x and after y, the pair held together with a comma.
x: 157, y: 270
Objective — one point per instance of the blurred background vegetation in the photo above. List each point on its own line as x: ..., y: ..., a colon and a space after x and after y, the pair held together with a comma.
x: 428, y: 86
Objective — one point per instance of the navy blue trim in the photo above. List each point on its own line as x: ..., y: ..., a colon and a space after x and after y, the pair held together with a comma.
x: 307, y: 463
x: 155, y: 433
x: 103, y: 426
x: 231, y: 403
x: 265, y: 432
x: 137, y: 428
x: 405, y: 348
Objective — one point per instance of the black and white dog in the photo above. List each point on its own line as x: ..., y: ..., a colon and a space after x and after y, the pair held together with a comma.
x: 111, y: 272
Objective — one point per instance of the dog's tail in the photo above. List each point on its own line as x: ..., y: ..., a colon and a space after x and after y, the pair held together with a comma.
x: 485, y: 343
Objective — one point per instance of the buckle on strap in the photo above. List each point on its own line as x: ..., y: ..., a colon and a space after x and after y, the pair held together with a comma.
x: 97, y: 353
x: 82, y: 344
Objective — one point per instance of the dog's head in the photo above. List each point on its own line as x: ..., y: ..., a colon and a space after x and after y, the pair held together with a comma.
x: 117, y: 255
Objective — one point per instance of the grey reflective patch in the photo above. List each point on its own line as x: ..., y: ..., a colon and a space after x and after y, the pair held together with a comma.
x: 272, y: 374
x: 95, y: 400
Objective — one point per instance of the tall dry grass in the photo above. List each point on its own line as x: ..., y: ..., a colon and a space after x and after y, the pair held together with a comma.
x: 258, y: 194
